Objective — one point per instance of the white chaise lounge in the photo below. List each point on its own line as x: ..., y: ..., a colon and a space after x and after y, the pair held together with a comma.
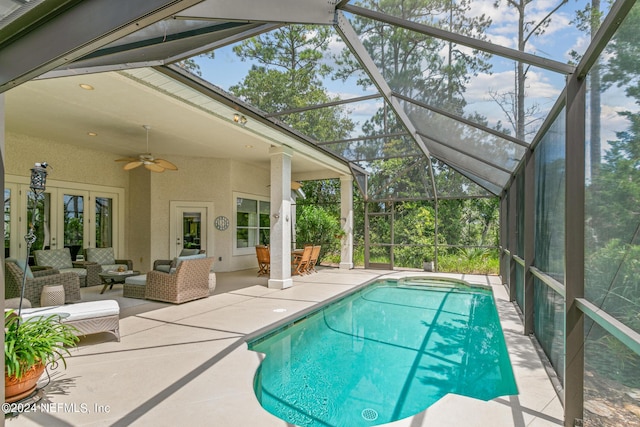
x: 90, y: 317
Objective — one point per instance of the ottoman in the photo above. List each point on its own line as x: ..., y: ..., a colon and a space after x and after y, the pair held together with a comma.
x: 134, y: 286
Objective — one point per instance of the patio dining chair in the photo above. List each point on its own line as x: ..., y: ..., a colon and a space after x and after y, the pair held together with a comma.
x: 264, y: 260
x: 301, y: 261
x: 313, y: 260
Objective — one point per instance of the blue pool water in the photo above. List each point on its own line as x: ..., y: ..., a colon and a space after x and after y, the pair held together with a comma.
x: 384, y: 353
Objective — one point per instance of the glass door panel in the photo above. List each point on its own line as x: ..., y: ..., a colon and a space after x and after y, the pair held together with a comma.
x: 75, y: 225
x: 8, y: 223
x: 41, y: 221
x: 192, y: 230
x: 104, y: 222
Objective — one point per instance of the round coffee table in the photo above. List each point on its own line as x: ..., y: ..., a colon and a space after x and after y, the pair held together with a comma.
x: 110, y: 278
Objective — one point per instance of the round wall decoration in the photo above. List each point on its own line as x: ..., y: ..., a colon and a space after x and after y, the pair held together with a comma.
x: 221, y: 223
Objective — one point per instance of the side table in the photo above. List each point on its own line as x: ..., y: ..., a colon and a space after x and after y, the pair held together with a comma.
x: 93, y: 271
x: 52, y: 295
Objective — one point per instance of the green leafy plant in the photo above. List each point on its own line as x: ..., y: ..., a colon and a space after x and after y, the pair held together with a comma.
x: 33, y: 341
x: 316, y: 226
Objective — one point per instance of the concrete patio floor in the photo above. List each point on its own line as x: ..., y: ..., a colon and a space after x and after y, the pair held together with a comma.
x: 189, y: 365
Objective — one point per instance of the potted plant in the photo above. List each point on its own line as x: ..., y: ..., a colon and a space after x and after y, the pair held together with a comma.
x: 29, y: 346
x: 427, y: 264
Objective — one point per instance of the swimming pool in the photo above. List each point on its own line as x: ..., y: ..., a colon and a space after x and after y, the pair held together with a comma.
x: 383, y: 353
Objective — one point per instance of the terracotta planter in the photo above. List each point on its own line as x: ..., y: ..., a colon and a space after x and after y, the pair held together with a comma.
x: 16, y: 389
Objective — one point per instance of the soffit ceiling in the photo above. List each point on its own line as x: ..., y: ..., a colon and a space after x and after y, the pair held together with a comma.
x: 122, y: 102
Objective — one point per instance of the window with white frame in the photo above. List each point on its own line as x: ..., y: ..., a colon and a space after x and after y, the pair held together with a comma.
x: 252, y: 221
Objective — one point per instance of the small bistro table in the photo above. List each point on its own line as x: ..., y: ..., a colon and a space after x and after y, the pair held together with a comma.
x: 110, y: 278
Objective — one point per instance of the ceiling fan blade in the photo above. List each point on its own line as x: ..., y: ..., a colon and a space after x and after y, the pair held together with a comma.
x: 166, y: 164
x: 126, y: 159
x: 153, y: 167
x: 132, y: 165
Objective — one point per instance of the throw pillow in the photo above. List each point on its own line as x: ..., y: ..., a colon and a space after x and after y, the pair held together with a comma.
x: 103, y: 256
x: 20, y: 263
x: 189, y: 251
x: 179, y: 259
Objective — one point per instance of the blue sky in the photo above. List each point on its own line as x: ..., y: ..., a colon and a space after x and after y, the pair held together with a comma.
x: 559, y: 39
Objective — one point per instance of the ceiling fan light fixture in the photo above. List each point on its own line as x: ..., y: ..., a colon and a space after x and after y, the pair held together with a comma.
x: 147, y: 160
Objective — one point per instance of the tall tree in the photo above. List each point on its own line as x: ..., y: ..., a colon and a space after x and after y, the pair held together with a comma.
x: 289, y: 76
x: 613, y: 219
x: 527, y: 28
x: 589, y: 20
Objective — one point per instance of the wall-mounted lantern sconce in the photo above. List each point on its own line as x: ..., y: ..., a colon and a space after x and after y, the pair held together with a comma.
x: 240, y: 119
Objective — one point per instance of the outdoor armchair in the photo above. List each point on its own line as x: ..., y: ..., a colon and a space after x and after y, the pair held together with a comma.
x: 106, y: 259
x: 36, y: 280
x: 190, y: 281
x: 100, y: 260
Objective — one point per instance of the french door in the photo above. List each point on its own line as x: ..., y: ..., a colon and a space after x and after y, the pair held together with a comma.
x: 75, y: 218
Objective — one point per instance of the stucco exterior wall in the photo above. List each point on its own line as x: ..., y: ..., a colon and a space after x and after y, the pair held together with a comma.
x: 68, y: 162
x: 204, y: 180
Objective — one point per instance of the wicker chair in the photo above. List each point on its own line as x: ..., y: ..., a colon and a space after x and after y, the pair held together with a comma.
x: 34, y: 285
x: 60, y: 259
x: 106, y: 259
x: 98, y: 260
x: 190, y: 281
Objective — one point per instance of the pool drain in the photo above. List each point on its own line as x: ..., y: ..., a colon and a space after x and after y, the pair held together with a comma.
x: 370, y: 414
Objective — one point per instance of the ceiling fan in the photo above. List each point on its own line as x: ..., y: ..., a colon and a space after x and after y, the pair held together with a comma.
x: 146, y: 159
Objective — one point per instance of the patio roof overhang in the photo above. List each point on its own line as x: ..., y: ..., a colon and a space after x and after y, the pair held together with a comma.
x: 186, y: 118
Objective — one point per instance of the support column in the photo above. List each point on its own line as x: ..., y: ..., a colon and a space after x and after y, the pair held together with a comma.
x: 280, y: 229
x: 529, y: 244
x: 504, y: 260
x: 574, y: 252
x: 512, y: 238
x: 346, y: 221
